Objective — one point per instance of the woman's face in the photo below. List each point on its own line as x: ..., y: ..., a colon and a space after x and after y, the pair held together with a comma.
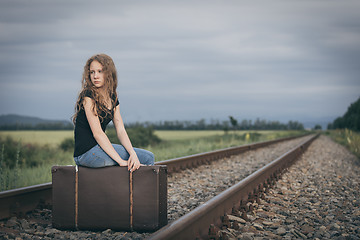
x: 97, y: 74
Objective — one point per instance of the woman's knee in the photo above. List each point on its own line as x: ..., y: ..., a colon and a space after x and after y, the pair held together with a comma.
x: 95, y: 158
x: 145, y: 157
x: 150, y: 159
x: 121, y: 151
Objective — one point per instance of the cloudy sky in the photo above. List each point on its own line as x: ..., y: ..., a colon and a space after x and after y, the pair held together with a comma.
x: 184, y: 60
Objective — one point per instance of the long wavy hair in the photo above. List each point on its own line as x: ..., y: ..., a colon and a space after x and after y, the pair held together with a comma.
x: 110, y: 85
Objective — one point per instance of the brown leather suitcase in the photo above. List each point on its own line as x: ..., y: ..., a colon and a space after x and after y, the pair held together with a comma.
x: 110, y: 197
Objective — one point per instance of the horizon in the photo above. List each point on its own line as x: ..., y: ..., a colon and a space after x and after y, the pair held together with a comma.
x: 307, y: 124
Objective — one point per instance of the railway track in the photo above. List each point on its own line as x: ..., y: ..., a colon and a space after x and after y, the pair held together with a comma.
x: 203, y: 221
x: 20, y: 201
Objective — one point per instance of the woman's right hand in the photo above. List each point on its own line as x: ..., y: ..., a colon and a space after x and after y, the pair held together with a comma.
x: 123, y: 163
x: 133, y: 162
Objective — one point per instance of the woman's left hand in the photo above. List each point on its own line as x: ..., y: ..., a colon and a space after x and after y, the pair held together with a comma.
x: 133, y: 162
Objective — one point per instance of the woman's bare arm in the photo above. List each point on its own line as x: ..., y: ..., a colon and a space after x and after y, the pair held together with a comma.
x: 99, y: 134
x: 133, y: 162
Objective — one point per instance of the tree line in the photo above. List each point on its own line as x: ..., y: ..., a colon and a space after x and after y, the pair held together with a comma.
x: 40, y: 126
x: 350, y: 120
x: 226, y: 125
x: 202, y: 124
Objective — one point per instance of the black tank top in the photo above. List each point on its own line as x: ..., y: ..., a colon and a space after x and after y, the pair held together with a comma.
x: 84, y: 139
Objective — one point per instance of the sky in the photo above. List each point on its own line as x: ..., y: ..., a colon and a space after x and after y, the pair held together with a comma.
x: 184, y: 60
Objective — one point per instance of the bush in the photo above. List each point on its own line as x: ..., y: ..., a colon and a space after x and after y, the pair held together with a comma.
x: 350, y: 120
x: 139, y: 136
x: 347, y: 138
x: 24, y: 155
x: 67, y: 144
x: 251, y: 136
x: 8, y: 153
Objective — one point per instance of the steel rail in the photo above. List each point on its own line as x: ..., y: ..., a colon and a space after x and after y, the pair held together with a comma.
x: 22, y: 200
x: 178, y: 164
x: 198, y: 223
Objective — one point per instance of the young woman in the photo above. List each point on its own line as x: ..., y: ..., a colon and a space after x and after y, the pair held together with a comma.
x: 96, y: 106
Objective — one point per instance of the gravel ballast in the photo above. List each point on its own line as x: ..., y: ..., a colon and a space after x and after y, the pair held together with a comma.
x: 318, y: 198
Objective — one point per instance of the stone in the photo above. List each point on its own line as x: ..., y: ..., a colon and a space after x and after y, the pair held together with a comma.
x: 297, y: 233
x: 24, y: 224
x: 227, y: 235
x: 247, y: 236
x: 281, y: 231
x: 73, y: 237
x: 317, y: 235
x: 307, y: 229
x: 267, y: 223
x: 51, y: 232
x: 38, y: 233
x: 289, y: 220
x: 235, y: 225
x: 335, y: 226
x: 251, y: 217
x: 322, y: 228
x: 327, y: 235
x: 12, y: 222
x: 258, y: 226
x: 107, y: 231
x: 235, y: 218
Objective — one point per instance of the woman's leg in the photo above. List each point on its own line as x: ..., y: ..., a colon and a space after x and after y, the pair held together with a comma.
x: 145, y: 157
x: 97, y: 157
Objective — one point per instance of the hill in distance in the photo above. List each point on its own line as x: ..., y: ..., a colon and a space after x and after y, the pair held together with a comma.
x: 16, y: 120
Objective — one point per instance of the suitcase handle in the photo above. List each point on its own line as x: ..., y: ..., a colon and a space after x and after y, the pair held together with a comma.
x: 76, y: 196
x: 131, y: 200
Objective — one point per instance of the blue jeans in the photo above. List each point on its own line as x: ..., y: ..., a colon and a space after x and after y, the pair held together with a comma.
x: 96, y: 157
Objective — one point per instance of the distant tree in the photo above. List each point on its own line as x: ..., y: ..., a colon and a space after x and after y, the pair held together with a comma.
x: 245, y: 124
x: 351, y: 118
x: 226, y: 125
x: 330, y: 126
x: 67, y: 144
x: 317, y: 127
x: 295, y: 125
x: 201, y: 124
x: 233, y: 122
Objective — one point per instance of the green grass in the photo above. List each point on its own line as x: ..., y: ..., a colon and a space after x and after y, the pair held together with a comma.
x: 175, y: 144
x: 179, y: 145
x: 54, y: 138
x: 39, y: 137
x: 169, y: 135
x: 192, y: 134
x: 31, y: 176
x: 347, y: 138
x: 26, y: 176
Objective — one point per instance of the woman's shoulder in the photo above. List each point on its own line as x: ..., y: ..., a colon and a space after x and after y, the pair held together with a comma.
x: 88, y: 93
x: 115, y: 99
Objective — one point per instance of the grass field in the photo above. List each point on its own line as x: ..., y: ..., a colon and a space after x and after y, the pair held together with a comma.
x: 347, y: 138
x: 174, y: 144
x: 56, y: 137
x: 38, y: 137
